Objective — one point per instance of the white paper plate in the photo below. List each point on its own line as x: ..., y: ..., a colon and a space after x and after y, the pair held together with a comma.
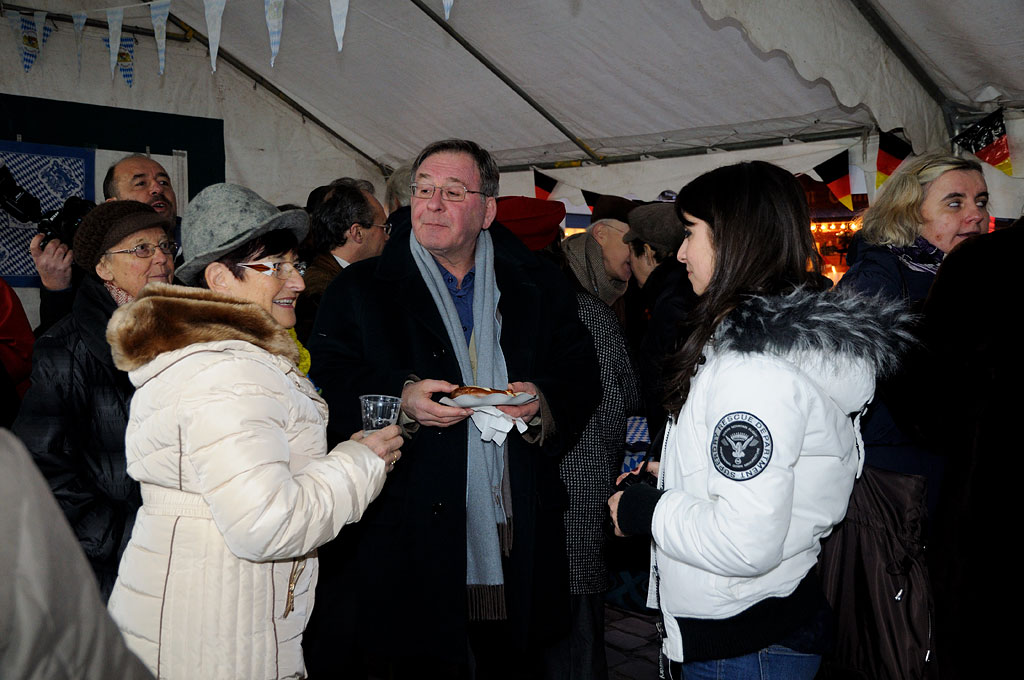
x: 470, y: 400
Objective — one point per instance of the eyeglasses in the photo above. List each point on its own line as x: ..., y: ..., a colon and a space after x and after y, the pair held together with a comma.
x: 449, y: 192
x: 146, y: 250
x: 282, y: 270
x: 385, y: 227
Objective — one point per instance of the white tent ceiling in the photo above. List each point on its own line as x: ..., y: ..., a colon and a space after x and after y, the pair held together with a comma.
x: 638, y: 77
x: 594, y: 81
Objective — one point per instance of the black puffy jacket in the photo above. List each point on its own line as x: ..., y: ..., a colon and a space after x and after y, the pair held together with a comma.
x: 73, y: 420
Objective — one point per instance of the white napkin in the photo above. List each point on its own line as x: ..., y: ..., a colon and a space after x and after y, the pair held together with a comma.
x: 495, y: 425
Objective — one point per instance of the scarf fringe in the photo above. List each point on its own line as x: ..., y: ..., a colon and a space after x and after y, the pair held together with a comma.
x: 505, y: 536
x: 486, y: 603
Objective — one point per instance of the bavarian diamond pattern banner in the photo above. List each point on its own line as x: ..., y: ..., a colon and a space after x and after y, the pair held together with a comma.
x: 30, y: 34
x: 51, y: 174
x: 125, y: 58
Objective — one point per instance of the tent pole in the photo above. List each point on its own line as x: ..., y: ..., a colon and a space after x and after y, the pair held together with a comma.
x: 224, y: 55
x: 893, y: 42
x: 446, y: 27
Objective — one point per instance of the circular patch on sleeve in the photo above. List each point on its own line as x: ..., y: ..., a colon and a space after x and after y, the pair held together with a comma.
x: 741, y: 446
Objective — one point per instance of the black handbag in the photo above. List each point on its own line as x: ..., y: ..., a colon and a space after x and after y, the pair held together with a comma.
x: 874, y: 575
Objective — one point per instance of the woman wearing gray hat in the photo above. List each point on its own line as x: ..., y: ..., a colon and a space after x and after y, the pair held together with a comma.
x: 227, y: 437
x: 74, y: 414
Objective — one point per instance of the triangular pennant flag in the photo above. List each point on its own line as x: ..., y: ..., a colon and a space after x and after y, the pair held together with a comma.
x: 835, y: 172
x: 591, y: 198
x: 39, y: 19
x: 115, y: 16
x: 339, y: 14
x: 891, y: 152
x: 125, y: 58
x: 543, y: 185
x: 30, y: 34
x: 447, y: 8
x: 986, y: 139
x: 78, y: 18
x: 214, y: 12
x: 158, y: 15
x: 274, y: 10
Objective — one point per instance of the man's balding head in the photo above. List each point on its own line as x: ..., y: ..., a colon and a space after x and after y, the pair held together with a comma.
x: 142, y: 179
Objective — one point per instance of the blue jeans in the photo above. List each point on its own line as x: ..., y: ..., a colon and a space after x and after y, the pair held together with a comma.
x: 771, y: 663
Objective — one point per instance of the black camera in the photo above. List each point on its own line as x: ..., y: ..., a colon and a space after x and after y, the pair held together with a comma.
x: 60, y: 224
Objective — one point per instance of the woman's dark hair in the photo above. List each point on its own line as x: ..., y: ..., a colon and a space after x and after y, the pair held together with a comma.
x: 761, y: 232
x: 270, y: 244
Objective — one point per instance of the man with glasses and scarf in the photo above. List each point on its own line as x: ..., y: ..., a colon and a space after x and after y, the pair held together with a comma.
x: 459, y: 567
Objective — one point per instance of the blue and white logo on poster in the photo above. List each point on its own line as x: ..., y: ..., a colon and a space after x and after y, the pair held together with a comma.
x: 741, y: 446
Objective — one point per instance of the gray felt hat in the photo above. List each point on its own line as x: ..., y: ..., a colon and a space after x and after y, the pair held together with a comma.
x: 224, y: 216
x: 657, y: 224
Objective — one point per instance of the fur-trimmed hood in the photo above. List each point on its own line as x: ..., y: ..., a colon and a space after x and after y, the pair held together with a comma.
x: 841, y: 340
x: 165, y: 318
x: 837, y: 321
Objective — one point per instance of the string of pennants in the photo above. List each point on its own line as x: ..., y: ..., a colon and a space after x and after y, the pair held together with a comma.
x: 31, y: 32
x: 986, y: 139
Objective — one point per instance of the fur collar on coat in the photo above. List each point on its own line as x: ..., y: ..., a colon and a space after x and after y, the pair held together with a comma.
x: 836, y: 322
x: 165, y: 318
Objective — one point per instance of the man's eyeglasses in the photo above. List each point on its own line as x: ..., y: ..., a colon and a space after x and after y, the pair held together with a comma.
x: 146, y: 250
x: 282, y: 270
x: 449, y: 192
x: 385, y: 227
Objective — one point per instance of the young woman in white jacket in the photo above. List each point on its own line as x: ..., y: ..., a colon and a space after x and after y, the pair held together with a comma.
x: 227, y: 437
x: 759, y: 462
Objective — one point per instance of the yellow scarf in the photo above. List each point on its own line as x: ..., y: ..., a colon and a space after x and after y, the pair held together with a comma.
x: 304, y: 360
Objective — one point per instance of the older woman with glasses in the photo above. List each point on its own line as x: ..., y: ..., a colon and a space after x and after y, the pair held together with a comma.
x: 228, y: 440
x: 74, y: 415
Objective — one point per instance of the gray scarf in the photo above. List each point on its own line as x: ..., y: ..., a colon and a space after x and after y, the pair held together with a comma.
x: 488, y: 506
x: 585, y: 258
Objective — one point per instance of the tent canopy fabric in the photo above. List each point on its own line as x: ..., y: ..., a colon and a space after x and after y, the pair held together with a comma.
x: 641, y: 77
x: 555, y: 83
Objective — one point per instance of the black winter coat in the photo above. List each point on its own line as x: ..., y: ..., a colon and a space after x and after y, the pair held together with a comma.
x: 394, y: 584
x: 73, y: 420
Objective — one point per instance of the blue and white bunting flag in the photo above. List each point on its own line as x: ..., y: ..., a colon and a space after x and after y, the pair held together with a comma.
x: 274, y: 10
x: 30, y: 34
x: 78, y: 19
x: 158, y: 15
x: 125, y: 58
x: 339, y: 14
x: 447, y: 8
x: 214, y: 12
x: 115, y: 17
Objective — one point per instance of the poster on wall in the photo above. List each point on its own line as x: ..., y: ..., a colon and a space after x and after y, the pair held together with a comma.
x: 48, y: 173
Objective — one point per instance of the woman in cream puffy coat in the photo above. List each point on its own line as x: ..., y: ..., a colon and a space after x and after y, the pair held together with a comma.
x: 227, y: 439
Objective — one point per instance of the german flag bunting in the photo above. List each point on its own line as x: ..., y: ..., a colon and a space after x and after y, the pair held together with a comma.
x: 891, y: 152
x: 835, y: 172
x: 543, y: 185
x: 591, y: 198
x: 987, y: 140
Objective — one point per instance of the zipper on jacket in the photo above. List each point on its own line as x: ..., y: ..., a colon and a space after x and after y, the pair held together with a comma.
x: 297, y: 567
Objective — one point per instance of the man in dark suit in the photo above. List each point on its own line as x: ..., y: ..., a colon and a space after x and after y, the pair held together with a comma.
x: 458, y: 569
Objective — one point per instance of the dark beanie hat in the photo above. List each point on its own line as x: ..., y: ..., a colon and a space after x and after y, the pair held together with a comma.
x: 108, y: 223
x: 612, y: 207
x: 534, y: 221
